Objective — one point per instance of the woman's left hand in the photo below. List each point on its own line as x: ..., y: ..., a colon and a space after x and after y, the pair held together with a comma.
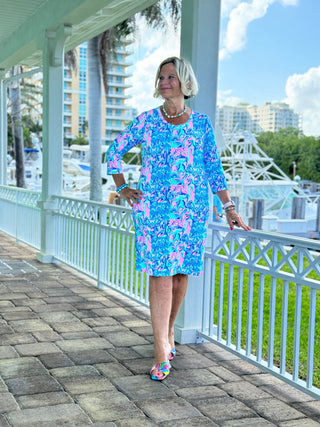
x: 235, y: 220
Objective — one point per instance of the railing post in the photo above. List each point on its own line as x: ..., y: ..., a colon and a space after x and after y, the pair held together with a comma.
x: 298, y: 208
x: 53, y: 53
x: 257, y: 214
x: 189, y: 319
x: 102, y: 259
x: 318, y: 217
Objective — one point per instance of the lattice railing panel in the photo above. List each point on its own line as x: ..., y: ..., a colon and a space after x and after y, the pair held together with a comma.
x: 260, y: 300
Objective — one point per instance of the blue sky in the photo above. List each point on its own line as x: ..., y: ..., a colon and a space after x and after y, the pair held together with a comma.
x: 270, y: 51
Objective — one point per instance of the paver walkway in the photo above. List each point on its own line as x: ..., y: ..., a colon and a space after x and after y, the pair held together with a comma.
x: 73, y: 355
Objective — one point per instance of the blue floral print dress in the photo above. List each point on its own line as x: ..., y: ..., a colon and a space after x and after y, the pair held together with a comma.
x: 178, y: 163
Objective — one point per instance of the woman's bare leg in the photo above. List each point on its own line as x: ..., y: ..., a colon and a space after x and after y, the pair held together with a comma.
x: 179, y: 288
x: 160, y: 296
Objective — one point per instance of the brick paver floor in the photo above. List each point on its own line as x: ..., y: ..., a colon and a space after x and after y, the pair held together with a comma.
x: 73, y: 355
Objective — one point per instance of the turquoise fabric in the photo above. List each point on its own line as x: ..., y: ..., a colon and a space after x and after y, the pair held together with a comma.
x: 178, y: 162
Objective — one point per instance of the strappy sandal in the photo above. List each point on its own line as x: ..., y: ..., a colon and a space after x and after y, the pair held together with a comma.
x: 160, y: 371
x: 172, y: 354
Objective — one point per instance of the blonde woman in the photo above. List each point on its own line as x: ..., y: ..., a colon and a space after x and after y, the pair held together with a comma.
x: 170, y: 207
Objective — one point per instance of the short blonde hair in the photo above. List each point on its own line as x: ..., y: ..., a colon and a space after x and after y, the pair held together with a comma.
x: 189, y: 84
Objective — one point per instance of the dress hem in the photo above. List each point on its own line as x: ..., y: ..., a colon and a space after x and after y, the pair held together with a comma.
x: 169, y: 274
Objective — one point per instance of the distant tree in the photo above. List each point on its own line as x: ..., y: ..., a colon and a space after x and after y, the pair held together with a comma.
x: 80, y: 140
x: 289, y: 145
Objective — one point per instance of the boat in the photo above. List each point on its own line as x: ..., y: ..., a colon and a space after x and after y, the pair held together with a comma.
x: 252, y: 175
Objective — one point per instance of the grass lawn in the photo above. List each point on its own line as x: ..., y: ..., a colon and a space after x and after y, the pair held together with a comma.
x: 266, y: 316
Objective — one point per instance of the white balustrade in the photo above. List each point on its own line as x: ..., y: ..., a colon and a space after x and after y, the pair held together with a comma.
x: 258, y: 296
x: 98, y: 240
x: 261, y: 292
x: 20, y: 215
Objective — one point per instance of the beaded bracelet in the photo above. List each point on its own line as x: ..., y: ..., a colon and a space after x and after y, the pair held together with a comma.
x: 121, y: 187
x: 232, y: 208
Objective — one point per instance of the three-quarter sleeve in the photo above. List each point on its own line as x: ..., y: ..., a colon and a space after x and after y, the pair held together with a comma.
x: 212, y: 162
x: 129, y: 138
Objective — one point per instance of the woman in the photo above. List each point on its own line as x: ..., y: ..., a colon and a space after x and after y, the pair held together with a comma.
x: 170, y: 206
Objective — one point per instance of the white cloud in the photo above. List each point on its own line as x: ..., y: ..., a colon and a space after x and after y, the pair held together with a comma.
x: 303, y: 95
x: 227, y: 6
x: 158, y: 45
x: 241, y: 14
x: 225, y: 97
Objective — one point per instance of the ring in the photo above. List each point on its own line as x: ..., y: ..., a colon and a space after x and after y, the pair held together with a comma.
x: 234, y: 222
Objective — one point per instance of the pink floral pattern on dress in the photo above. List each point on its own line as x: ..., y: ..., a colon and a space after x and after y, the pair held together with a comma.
x: 178, y: 163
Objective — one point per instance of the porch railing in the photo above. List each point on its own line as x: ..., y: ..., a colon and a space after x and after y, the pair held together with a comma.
x: 260, y: 290
x: 261, y: 300
x: 98, y: 240
x: 20, y: 214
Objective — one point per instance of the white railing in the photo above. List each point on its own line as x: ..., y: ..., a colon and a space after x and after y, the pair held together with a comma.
x: 20, y: 215
x: 261, y: 295
x: 98, y: 240
x: 260, y: 290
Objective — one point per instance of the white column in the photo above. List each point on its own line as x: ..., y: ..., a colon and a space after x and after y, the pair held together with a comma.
x: 200, y: 27
x: 3, y: 129
x: 52, y: 135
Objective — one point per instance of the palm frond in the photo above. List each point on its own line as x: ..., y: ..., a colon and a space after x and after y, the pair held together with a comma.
x: 71, y: 60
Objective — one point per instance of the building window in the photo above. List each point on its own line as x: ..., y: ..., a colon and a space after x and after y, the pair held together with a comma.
x: 118, y: 123
x: 82, y: 64
x: 119, y: 90
x: 82, y: 110
x: 109, y: 111
x: 119, y: 79
x: 83, y: 52
x: 82, y: 80
x: 119, y: 68
x: 118, y: 112
x: 109, y: 122
x: 82, y: 98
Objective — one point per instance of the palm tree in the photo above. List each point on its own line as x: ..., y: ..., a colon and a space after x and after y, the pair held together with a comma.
x: 17, y: 130
x: 100, y: 50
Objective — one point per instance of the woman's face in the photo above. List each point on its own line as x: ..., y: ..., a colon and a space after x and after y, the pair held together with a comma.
x: 169, y: 85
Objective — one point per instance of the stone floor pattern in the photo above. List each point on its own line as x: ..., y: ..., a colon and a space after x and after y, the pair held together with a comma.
x: 73, y: 355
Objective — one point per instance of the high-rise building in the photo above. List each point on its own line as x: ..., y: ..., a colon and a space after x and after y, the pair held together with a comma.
x: 116, y: 115
x: 270, y: 117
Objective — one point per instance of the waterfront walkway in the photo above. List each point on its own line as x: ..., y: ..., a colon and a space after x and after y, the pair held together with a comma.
x: 73, y: 355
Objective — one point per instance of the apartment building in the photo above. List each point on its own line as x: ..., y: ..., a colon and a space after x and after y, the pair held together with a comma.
x: 116, y: 115
x: 269, y: 117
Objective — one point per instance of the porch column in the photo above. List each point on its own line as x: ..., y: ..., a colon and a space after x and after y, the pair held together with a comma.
x: 200, y: 27
x: 52, y: 135
x: 3, y: 129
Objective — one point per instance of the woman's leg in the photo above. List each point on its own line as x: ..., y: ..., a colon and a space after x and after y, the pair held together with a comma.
x: 179, y: 288
x: 160, y: 296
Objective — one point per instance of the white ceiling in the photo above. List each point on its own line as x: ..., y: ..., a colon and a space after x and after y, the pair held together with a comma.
x: 23, y: 24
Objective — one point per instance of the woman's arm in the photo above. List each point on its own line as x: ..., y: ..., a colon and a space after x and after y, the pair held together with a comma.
x: 233, y: 218
x: 131, y: 195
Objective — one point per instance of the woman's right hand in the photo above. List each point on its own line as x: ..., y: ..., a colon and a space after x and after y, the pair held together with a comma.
x: 131, y: 195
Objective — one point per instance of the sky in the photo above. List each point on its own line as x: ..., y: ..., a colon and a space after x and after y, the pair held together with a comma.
x: 269, y: 52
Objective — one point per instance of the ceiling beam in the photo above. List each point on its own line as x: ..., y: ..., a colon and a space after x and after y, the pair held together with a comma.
x: 88, y: 18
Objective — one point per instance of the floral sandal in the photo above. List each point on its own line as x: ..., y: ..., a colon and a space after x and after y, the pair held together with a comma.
x: 160, y: 371
x: 172, y: 354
